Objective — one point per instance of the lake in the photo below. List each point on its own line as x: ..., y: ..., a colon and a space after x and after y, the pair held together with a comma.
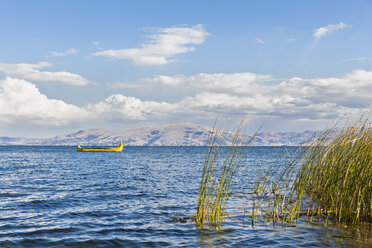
x: 57, y: 197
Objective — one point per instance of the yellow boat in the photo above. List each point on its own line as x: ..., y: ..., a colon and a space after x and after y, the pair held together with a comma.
x: 101, y: 149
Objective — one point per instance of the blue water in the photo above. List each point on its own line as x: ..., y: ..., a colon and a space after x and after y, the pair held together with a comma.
x: 58, y: 197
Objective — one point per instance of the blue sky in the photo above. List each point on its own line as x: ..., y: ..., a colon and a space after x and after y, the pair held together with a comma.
x: 289, y: 65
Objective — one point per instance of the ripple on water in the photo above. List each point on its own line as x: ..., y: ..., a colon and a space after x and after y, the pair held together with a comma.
x: 57, y: 197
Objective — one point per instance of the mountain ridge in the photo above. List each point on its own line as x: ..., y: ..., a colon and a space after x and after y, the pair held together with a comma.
x: 174, y: 134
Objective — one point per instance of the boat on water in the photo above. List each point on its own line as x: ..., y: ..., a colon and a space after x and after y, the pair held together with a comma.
x: 100, y: 149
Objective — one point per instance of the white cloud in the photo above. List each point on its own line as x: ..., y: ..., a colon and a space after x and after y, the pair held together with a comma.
x: 251, y: 94
x: 30, y: 72
x: 318, y: 33
x: 359, y: 78
x: 21, y: 101
x: 164, y: 44
x: 65, y: 53
x: 239, y: 83
x: 222, y: 103
x: 169, y: 80
x: 259, y: 41
x: 96, y: 43
x: 125, y: 107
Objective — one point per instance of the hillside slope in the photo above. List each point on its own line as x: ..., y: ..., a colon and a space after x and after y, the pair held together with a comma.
x: 179, y: 134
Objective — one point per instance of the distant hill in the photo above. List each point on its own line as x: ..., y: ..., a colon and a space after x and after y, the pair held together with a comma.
x: 179, y: 134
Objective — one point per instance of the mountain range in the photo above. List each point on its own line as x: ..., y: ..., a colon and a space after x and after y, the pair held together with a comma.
x: 178, y: 134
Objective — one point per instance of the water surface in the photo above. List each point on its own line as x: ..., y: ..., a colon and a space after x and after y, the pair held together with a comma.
x: 57, y: 197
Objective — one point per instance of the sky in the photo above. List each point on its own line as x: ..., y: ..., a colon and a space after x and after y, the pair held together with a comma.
x: 284, y: 65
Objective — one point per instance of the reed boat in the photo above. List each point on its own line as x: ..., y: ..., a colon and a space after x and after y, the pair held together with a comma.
x: 100, y: 149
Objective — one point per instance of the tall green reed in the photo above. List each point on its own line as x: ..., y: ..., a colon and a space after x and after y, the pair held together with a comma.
x: 333, y: 182
x: 221, y: 165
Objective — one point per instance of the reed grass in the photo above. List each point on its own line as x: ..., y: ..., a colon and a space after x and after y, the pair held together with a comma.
x: 333, y: 182
x: 221, y: 165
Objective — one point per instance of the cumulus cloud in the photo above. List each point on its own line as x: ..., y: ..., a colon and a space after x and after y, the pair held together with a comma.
x: 124, y: 107
x: 318, y: 33
x: 259, y: 41
x: 22, y: 101
x: 31, y: 72
x: 163, y: 44
x: 65, y: 53
x: 249, y: 93
x: 255, y: 105
x: 255, y: 95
